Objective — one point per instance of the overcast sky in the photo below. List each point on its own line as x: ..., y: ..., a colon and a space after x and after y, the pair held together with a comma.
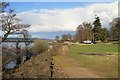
x: 48, y: 18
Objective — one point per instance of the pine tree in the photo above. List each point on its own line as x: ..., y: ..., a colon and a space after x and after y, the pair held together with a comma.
x: 97, y: 28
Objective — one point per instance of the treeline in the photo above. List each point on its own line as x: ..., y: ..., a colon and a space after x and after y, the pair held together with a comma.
x: 94, y: 32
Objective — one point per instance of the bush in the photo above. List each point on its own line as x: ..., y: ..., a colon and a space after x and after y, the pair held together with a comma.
x: 39, y: 46
x: 98, y: 41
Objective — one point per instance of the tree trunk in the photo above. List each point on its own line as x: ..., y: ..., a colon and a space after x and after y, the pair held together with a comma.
x: 5, y: 37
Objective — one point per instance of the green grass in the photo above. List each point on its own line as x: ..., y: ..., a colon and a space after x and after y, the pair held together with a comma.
x: 85, y: 66
x: 105, y: 66
x: 94, y: 48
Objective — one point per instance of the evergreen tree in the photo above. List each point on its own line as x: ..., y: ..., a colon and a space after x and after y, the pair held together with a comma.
x: 99, y: 32
x: 97, y: 28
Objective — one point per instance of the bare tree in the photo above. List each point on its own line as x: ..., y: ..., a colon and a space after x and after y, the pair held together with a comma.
x: 3, y: 6
x: 9, y: 23
x: 27, y: 42
x: 84, y: 32
x: 67, y: 37
x: 27, y: 37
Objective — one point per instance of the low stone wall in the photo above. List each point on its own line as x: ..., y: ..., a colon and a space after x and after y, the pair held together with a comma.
x: 37, y: 67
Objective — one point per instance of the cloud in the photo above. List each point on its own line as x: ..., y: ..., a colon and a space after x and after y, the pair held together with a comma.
x: 45, y: 20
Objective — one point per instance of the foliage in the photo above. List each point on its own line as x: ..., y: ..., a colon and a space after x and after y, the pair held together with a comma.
x: 99, y: 32
x: 104, y: 34
x: 97, y: 29
x: 39, y: 46
x: 115, y: 28
x: 67, y: 37
x: 56, y: 49
x: 84, y: 32
x: 97, y: 23
x: 60, y: 41
x: 57, y: 38
x: 99, y: 41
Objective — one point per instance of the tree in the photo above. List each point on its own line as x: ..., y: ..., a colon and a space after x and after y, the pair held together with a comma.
x: 64, y: 37
x: 87, y: 30
x: 104, y: 34
x: 79, y: 33
x: 27, y: 42
x: 78, y: 37
x: 97, y: 28
x: 99, y: 32
x: 3, y: 6
x: 57, y: 38
x: 79, y: 28
x: 115, y: 28
x: 39, y: 46
x: 67, y: 37
x: 27, y: 37
x: 97, y: 23
x: 84, y: 32
x: 10, y: 24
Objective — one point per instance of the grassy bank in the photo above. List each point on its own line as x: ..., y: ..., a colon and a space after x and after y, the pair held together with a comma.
x: 105, y: 66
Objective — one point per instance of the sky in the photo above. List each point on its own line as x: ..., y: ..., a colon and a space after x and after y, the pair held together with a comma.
x: 27, y: 6
x: 49, y: 19
x: 61, y: 0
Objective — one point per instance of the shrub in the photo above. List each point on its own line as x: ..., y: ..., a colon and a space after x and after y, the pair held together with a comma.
x: 98, y: 41
x: 39, y: 46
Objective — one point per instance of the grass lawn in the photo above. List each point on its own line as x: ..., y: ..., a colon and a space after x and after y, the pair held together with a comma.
x: 94, y: 48
x: 105, y: 66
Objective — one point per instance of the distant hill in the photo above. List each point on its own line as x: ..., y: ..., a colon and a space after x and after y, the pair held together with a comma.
x: 22, y: 39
